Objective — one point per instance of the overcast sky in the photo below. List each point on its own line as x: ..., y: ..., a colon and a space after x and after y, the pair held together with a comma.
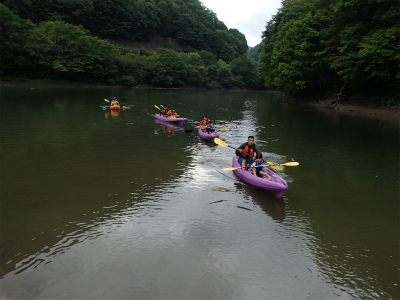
x: 249, y: 17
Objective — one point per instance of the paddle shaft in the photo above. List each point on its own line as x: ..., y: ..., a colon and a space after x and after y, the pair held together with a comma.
x: 235, y: 168
x: 242, y: 151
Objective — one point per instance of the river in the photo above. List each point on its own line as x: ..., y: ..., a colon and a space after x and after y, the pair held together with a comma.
x: 101, y: 205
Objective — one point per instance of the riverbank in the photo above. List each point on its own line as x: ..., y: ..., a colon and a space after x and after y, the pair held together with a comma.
x: 357, y: 108
x: 351, y: 107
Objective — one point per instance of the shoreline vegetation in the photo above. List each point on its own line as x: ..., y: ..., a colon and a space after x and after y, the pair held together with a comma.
x: 348, y: 106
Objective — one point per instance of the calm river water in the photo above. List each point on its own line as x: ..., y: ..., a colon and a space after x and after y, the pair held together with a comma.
x: 102, y: 206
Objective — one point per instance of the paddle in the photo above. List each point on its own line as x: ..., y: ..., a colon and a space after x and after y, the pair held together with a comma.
x: 119, y: 101
x: 279, y: 168
x: 273, y: 165
x: 109, y: 100
x: 269, y: 164
x: 224, y: 144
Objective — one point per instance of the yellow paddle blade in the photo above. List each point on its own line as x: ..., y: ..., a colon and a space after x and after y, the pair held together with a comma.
x: 202, y: 127
x: 157, y: 107
x: 230, y: 169
x: 106, y: 100
x: 220, y: 142
x: 291, y: 164
x: 223, y: 130
x: 277, y: 167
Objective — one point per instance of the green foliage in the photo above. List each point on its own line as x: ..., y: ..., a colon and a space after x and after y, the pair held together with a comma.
x: 167, y: 68
x: 55, y: 48
x: 254, y: 52
x: 14, y: 31
x: 317, y: 47
x: 246, y: 68
x: 64, y: 48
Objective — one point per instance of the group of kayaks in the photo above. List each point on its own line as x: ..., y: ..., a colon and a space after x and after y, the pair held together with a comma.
x: 277, y: 185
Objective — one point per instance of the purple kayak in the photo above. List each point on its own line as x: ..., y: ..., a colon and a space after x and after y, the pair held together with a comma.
x: 207, y: 136
x: 171, y: 120
x: 277, y: 185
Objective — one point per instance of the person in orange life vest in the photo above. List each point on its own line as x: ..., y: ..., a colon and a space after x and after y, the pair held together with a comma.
x: 164, y: 111
x: 172, y: 113
x: 114, y: 102
x: 247, y: 152
x: 257, y: 167
x: 203, y: 123
x: 209, y: 127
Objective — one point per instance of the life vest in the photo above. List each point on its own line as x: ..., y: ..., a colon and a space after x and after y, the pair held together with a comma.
x: 249, y: 150
x: 203, y: 122
x: 258, y: 165
x: 172, y: 114
x: 164, y: 112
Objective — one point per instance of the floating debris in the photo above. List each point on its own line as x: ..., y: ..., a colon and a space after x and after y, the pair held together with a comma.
x: 217, y: 201
x: 243, y: 207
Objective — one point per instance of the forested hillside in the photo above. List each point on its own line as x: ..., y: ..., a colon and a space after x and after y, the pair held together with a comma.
x: 95, y: 41
x: 322, y: 47
x: 310, y: 49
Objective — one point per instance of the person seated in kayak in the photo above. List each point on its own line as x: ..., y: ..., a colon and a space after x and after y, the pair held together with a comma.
x: 172, y: 113
x: 164, y: 111
x: 209, y: 127
x: 246, y: 152
x: 114, y: 102
x: 257, y: 167
x: 203, y: 123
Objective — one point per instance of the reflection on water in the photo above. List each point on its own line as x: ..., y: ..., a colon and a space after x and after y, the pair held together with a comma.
x: 272, y: 206
x: 107, y: 209
x: 168, y: 128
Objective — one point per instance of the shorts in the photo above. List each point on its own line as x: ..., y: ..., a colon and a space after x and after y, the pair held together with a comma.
x: 249, y: 160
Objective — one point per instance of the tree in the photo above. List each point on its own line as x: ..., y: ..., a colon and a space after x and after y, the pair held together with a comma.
x: 14, y: 32
x: 68, y: 51
x: 166, y: 68
x: 319, y: 47
x: 246, y: 68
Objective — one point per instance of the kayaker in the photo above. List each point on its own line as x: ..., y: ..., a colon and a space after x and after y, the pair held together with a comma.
x: 172, y: 113
x: 164, y: 111
x: 203, y: 123
x: 209, y: 127
x: 257, y: 167
x: 114, y: 102
x: 246, y: 152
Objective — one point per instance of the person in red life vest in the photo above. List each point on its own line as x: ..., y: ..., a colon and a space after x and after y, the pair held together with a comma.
x: 257, y: 167
x: 164, y: 111
x: 247, y: 152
